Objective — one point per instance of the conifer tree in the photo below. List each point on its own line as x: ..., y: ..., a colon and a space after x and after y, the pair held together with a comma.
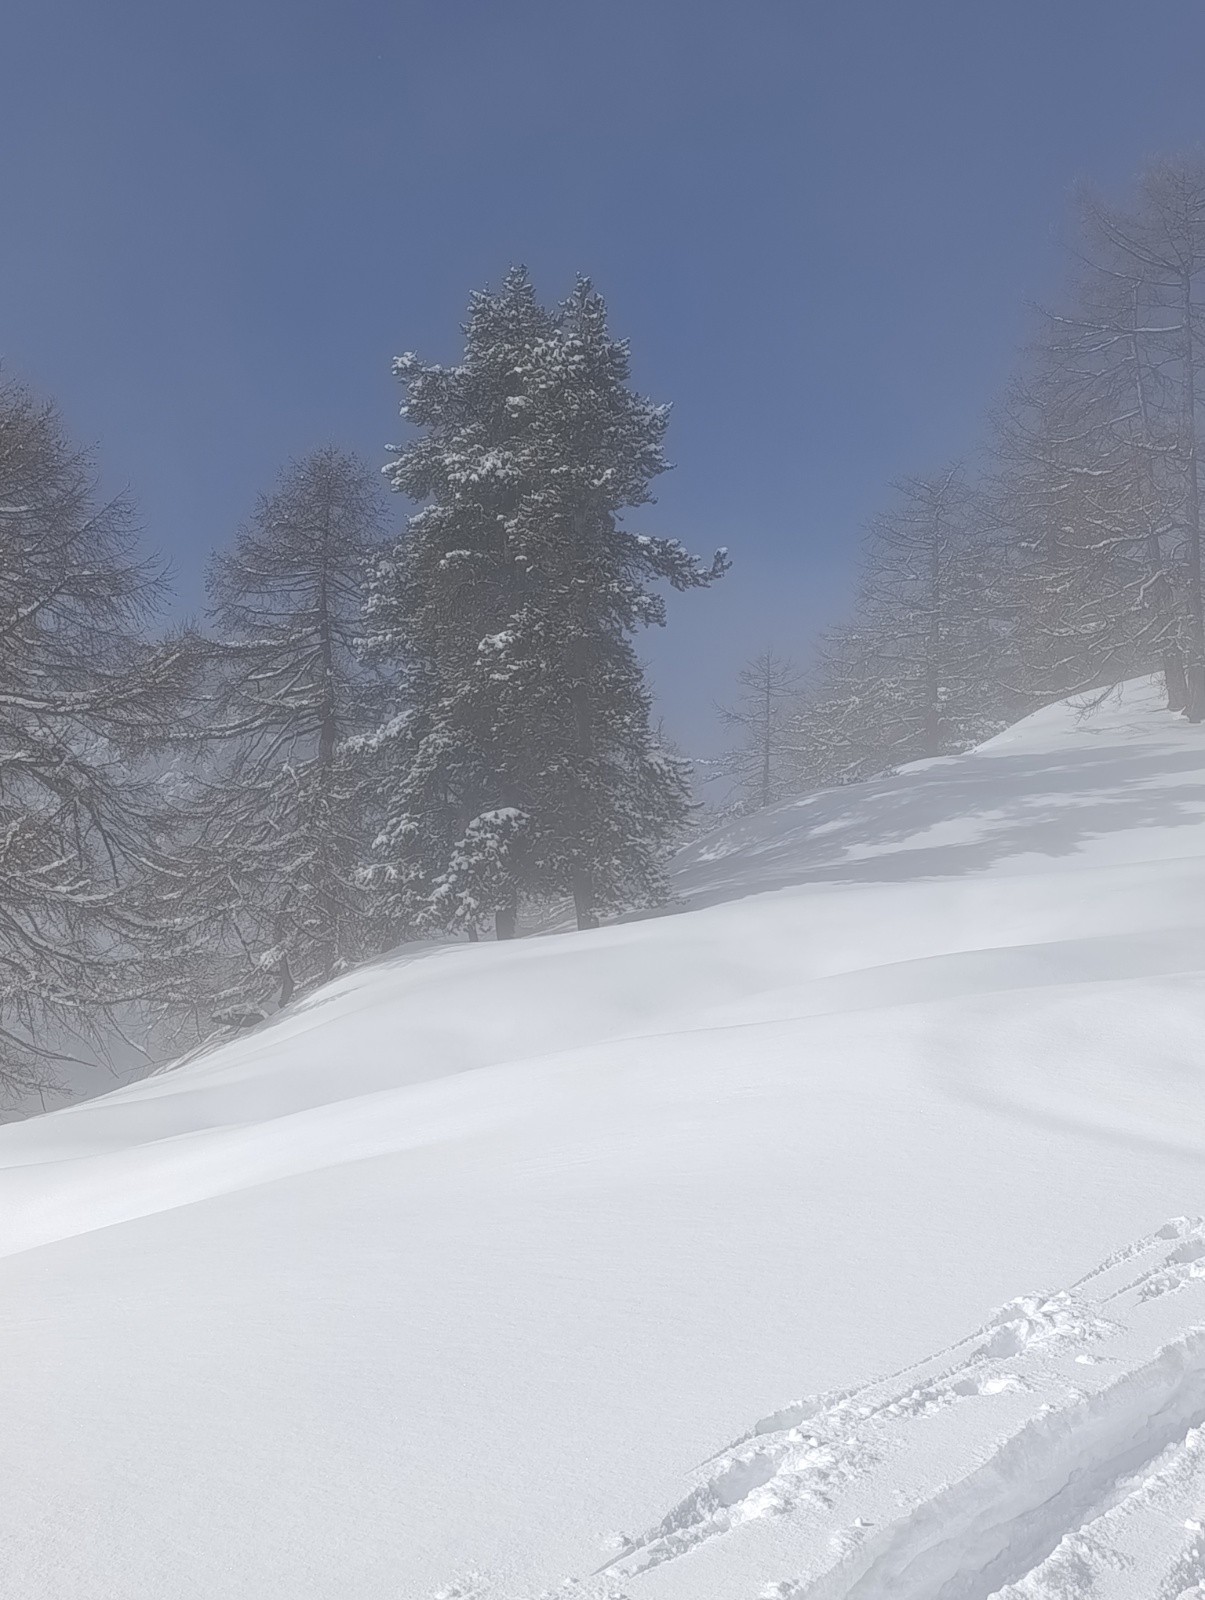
x: 1154, y: 250
x: 84, y: 699
x: 913, y: 672
x: 1076, y: 543
x: 762, y: 761
x: 512, y: 600
x: 266, y: 868
x: 1088, y: 495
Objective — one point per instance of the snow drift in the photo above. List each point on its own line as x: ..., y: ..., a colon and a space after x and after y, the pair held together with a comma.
x: 475, y: 1274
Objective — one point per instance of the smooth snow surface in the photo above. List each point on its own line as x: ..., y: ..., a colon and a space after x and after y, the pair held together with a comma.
x: 499, y: 1271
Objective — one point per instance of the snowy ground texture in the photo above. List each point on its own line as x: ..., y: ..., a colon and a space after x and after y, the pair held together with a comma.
x: 499, y: 1271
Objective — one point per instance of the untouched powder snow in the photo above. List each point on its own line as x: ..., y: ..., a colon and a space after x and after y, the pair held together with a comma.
x: 836, y: 1236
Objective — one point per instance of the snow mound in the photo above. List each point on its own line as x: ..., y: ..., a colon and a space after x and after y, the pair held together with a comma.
x: 447, y: 1283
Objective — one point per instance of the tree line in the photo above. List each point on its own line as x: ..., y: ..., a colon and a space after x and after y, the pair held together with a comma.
x: 1064, y: 558
x: 371, y: 736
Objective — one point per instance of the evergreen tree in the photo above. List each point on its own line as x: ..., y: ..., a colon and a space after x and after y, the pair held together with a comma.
x: 512, y: 601
x: 278, y: 819
x: 84, y: 699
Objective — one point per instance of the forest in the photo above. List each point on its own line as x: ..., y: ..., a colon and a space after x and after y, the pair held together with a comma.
x: 1062, y: 558
x: 372, y: 737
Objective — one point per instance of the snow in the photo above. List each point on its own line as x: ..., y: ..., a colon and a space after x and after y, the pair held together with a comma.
x: 475, y: 1273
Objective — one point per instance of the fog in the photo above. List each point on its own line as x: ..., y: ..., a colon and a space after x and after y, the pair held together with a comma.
x: 602, y: 768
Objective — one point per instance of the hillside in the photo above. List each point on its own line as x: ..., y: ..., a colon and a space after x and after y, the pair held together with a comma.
x: 496, y: 1267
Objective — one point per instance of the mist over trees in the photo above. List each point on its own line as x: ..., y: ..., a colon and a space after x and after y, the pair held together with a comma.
x: 366, y: 738
x: 84, y: 702
x: 258, y: 889
x: 761, y: 761
x: 374, y: 735
x: 1067, y: 555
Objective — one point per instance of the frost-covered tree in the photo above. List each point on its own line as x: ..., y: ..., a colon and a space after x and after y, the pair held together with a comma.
x: 762, y: 716
x: 1078, y: 564
x: 481, y: 873
x: 84, y: 699
x: 279, y: 817
x: 512, y: 601
x: 913, y: 671
x: 1158, y: 245
x: 838, y: 734
x: 1092, y: 495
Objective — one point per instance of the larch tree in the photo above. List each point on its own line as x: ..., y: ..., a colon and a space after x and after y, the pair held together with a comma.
x: 837, y: 735
x: 762, y: 716
x: 1071, y: 536
x: 1152, y: 254
x: 84, y: 700
x: 527, y: 766
x: 279, y: 816
x: 1088, y: 491
x: 911, y: 673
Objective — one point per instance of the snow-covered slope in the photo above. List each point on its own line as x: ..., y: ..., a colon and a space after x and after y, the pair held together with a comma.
x: 465, y: 1277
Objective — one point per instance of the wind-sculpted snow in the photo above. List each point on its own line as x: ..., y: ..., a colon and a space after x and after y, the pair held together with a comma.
x: 458, y: 1276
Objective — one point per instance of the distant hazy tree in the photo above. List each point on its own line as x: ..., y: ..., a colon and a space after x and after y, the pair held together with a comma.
x: 526, y: 765
x: 1134, y: 342
x: 762, y: 716
x: 1085, y: 588
x: 84, y: 699
x: 912, y: 673
x: 840, y: 733
x: 1095, y: 496
x: 1163, y: 245
x: 279, y: 817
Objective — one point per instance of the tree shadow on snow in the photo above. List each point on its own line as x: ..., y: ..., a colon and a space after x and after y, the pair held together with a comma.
x: 956, y: 817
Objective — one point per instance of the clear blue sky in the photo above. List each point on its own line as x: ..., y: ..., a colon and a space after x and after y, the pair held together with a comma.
x: 818, y: 224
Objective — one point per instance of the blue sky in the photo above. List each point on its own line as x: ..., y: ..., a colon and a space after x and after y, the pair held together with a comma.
x: 818, y: 224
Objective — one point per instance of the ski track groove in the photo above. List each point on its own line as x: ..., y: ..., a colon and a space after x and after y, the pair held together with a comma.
x: 1047, y: 1512
x: 1036, y: 1519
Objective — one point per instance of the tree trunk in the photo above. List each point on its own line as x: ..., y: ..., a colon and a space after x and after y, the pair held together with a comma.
x: 768, y: 710
x: 287, y: 985
x: 932, y: 733
x: 1175, y: 680
x: 328, y: 733
x: 505, y: 919
x: 583, y: 898
x: 473, y: 936
x: 1161, y: 595
x: 583, y: 713
x: 1194, y: 708
x: 1192, y: 515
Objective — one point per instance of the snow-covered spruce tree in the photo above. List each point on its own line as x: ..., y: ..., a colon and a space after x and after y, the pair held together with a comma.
x: 913, y: 672
x: 265, y: 868
x: 762, y: 716
x: 84, y: 697
x: 528, y: 767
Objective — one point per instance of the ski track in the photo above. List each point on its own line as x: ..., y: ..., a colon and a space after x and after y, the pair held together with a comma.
x: 1088, y: 1493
